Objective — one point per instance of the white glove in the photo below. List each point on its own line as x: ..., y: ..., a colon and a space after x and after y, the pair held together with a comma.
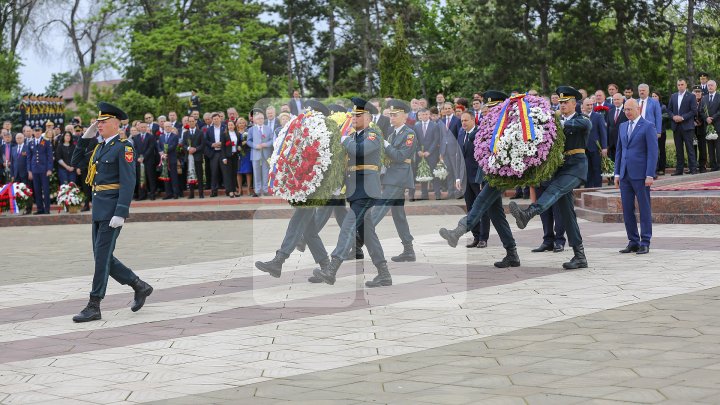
x: 91, y: 132
x: 387, y: 144
x: 116, y: 222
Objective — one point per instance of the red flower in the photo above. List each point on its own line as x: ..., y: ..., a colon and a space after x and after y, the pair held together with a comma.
x: 158, y: 133
x: 601, y: 108
x: 186, y: 126
x: 229, y: 143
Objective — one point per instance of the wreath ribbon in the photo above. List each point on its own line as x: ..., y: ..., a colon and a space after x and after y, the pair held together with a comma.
x: 526, y: 122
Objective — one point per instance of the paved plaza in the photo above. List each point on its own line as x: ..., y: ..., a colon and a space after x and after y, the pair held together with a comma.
x: 451, y: 330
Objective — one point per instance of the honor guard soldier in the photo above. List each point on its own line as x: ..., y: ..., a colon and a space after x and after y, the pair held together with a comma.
x: 302, y: 225
x: 362, y: 189
x: 399, y: 150
x: 570, y: 175
x: 111, y: 174
x: 489, y: 200
x: 40, y: 166
x: 194, y: 102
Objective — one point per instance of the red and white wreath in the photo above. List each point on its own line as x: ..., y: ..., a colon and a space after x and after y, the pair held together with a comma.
x: 300, y: 158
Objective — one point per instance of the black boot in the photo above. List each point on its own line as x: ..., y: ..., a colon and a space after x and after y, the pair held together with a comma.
x: 328, y: 275
x: 452, y: 236
x: 522, y: 217
x: 383, y: 278
x: 274, y: 266
x: 324, y: 263
x: 407, y: 255
x: 578, y: 261
x: 91, y: 311
x: 142, y: 291
x: 511, y: 259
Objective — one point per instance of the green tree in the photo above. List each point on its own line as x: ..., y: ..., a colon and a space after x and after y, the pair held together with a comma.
x: 60, y: 81
x: 396, y: 71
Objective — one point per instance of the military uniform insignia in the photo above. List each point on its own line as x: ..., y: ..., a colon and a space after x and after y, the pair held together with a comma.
x: 372, y: 137
x: 409, y: 140
x: 129, y: 154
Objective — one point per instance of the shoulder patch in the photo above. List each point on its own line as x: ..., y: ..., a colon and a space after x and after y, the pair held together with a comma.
x: 129, y: 154
x: 372, y: 137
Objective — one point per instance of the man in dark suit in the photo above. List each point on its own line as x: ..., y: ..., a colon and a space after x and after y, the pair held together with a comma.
x: 481, y: 230
x: 271, y: 120
x: 145, y: 150
x: 636, y: 158
x: 381, y: 121
x: 173, y: 119
x: 193, y: 143
x: 6, y: 158
x: 40, y: 165
x: 153, y: 127
x: 704, y: 78
x: 683, y: 109
x: 296, y: 103
x: 19, y: 160
x: 598, y: 134
x: 430, y: 138
x: 613, y: 119
x: 213, y: 150
x: 449, y: 120
x: 710, y: 110
x: 172, y: 140
x: 600, y: 100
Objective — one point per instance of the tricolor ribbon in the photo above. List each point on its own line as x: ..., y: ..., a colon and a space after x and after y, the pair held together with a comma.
x: 284, y: 150
x: 526, y: 122
x: 9, y: 190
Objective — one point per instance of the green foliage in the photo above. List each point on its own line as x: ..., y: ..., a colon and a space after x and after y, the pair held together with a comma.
x: 60, y: 81
x: 136, y: 104
x: 396, y: 71
x: 9, y: 75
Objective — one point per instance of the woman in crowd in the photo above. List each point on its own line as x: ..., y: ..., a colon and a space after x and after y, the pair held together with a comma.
x: 245, y: 165
x: 63, y: 154
x: 230, y: 141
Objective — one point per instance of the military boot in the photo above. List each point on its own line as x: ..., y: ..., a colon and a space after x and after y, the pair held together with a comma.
x: 407, y: 255
x: 511, y: 259
x: 142, y: 291
x: 452, y: 236
x: 383, y: 278
x: 578, y: 261
x: 274, y: 266
x: 324, y: 263
x: 522, y: 217
x: 91, y: 311
x: 328, y: 275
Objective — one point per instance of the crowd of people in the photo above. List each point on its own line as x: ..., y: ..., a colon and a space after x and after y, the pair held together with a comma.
x: 224, y: 151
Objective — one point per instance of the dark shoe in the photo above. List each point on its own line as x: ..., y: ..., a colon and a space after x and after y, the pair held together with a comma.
x: 274, y: 266
x: 511, y: 259
x: 677, y: 174
x: 315, y: 279
x: 544, y: 247
x: 85, y: 208
x: 643, y: 250
x: 152, y: 197
x: 254, y: 195
x: 578, y: 261
x: 703, y: 170
x: 383, y: 278
x: 201, y: 195
x: 558, y: 248
x: 38, y: 212
x: 324, y: 263
x: 407, y: 255
x: 452, y: 236
x: 90, y: 313
x: 167, y: 197
x: 473, y: 244
x: 175, y: 197
x: 142, y: 291
x: 482, y: 244
x: 191, y: 196
x: 517, y: 197
x: 438, y: 196
x: 213, y: 194
x: 328, y: 275
x: 359, y: 255
x: 630, y: 249
x: 522, y: 217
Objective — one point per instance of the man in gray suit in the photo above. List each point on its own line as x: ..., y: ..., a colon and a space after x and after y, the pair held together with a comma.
x: 430, y: 138
x: 260, y: 140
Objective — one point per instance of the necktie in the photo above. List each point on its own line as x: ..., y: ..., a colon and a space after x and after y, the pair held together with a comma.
x: 711, y: 97
x: 7, y: 152
x: 630, y: 129
x: 424, y: 128
x: 447, y: 122
x: 642, y: 108
x: 617, y: 114
x: 477, y: 117
x: 19, y: 150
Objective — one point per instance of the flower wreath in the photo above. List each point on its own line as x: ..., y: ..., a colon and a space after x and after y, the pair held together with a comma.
x: 519, y: 143
x: 302, y: 168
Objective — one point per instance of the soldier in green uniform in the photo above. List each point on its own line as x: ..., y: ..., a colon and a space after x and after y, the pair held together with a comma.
x: 111, y: 174
x: 399, y: 150
x: 362, y: 189
x: 570, y: 175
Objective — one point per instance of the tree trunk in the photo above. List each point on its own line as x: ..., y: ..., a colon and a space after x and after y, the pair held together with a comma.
x: 290, y: 53
x: 688, y: 41
x: 669, y: 55
x: 331, y: 51
x: 367, y: 51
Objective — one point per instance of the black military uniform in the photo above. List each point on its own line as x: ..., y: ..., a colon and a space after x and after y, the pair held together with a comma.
x: 570, y: 175
x: 111, y: 174
x: 362, y: 190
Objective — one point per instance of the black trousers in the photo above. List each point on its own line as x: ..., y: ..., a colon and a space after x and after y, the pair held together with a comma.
x: 594, y: 178
x: 230, y: 177
x: 701, y: 148
x: 481, y: 230
x: 685, y: 138
x: 359, y: 218
x: 216, y: 170
x: 103, y: 240
x: 662, y: 153
x: 553, y: 227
